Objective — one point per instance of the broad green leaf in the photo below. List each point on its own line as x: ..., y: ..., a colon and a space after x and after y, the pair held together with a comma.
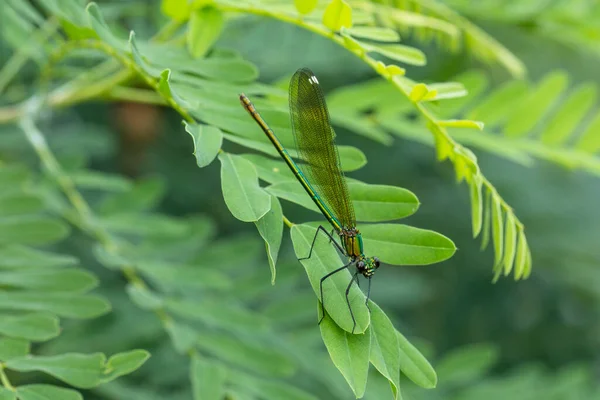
x: 62, y: 280
x: 87, y: 179
x: 589, y: 141
x: 208, y: 379
x: 19, y: 203
x: 372, y: 203
x: 414, y: 365
x: 79, y: 370
x: 33, y: 326
x: 6, y: 394
x: 46, y: 392
x: 521, y: 257
x: 270, y: 227
x: 145, y: 195
x: 418, y: 92
x: 510, y: 243
x: 32, y: 230
x: 270, y: 170
x: 398, y: 52
x: 21, y: 257
x: 204, y: 29
x: 380, y: 34
x: 267, y: 388
x: 405, y: 245
x: 467, y: 364
x: 263, y: 359
x: 536, y: 104
x: 338, y: 14
x: 497, y: 229
x: 217, y: 313
x: 351, y: 158
x: 571, y: 113
x: 144, y: 298
x: 96, y: 20
x: 63, y: 304
x: 178, y: 10
x: 11, y: 348
x: 385, y: 352
x: 349, y: 353
x: 476, y: 204
x: 326, y: 259
x: 305, y: 6
x: 14, y: 175
x: 183, y: 336
x: 207, y: 142
x: 246, y: 200
x: 124, y: 363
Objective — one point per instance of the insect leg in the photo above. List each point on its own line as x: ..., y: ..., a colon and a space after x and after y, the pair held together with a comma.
x: 321, y: 287
x: 331, y: 239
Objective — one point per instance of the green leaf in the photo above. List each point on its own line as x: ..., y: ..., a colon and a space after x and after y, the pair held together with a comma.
x: 46, y: 392
x: 63, y: 304
x: 380, y: 34
x: 208, y: 379
x: 144, y: 297
x: 461, y: 123
x: 351, y: 158
x: 398, y: 52
x: 510, y: 242
x: 349, y: 353
x: 305, y: 6
x: 405, y: 245
x: 325, y: 259
x: 6, y: 394
x: 140, y: 60
x: 184, y: 276
x: 270, y: 170
x: 372, y: 203
x: 261, y: 359
x: 589, y: 140
x: 246, y: 200
x: 183, y: 337
x: 570, y: 114
x: 497, y: 229
x: 32, y: 230
x: 447, y: 90
x: 33, y: 326
x: 11, y: 348
x: 270, y: 227
x: 521, y: 257
x: 338, y: 14
x: 165, y: 89
x: 467, y: 364
x: 536, y: 104
x: 476, y: 204
x: 124, y: 363
x: 145, y: 195
x: 178, y: 10
x: 79, y: 370
x: 63, y: 280
x: 500, y: 104
x: 207, y: 142
x: 21, y: 257
x: 487, y: 220
x: 102, y: 30
x: 414, y: 365
x: 204, y: 29
x: 100, y: 181
x: 147, y: 225
x: 19, y: 203
x: 385, y: 352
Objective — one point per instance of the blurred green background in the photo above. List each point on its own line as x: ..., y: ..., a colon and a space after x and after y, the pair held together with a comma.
x: 532, y: 339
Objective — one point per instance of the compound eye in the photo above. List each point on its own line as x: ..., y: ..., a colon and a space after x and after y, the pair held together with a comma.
x: 360, y: 265
x: 376, y: 262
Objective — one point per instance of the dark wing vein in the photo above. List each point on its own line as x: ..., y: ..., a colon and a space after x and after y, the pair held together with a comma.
x: 316, y: 147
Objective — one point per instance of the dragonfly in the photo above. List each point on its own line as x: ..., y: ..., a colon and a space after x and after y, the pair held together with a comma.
x: 321, y: 176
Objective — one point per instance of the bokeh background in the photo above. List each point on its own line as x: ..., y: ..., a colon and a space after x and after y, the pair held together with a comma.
x: 531, y: 339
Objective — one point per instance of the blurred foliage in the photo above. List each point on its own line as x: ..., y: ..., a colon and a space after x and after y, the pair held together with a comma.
x: 100, y: 191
